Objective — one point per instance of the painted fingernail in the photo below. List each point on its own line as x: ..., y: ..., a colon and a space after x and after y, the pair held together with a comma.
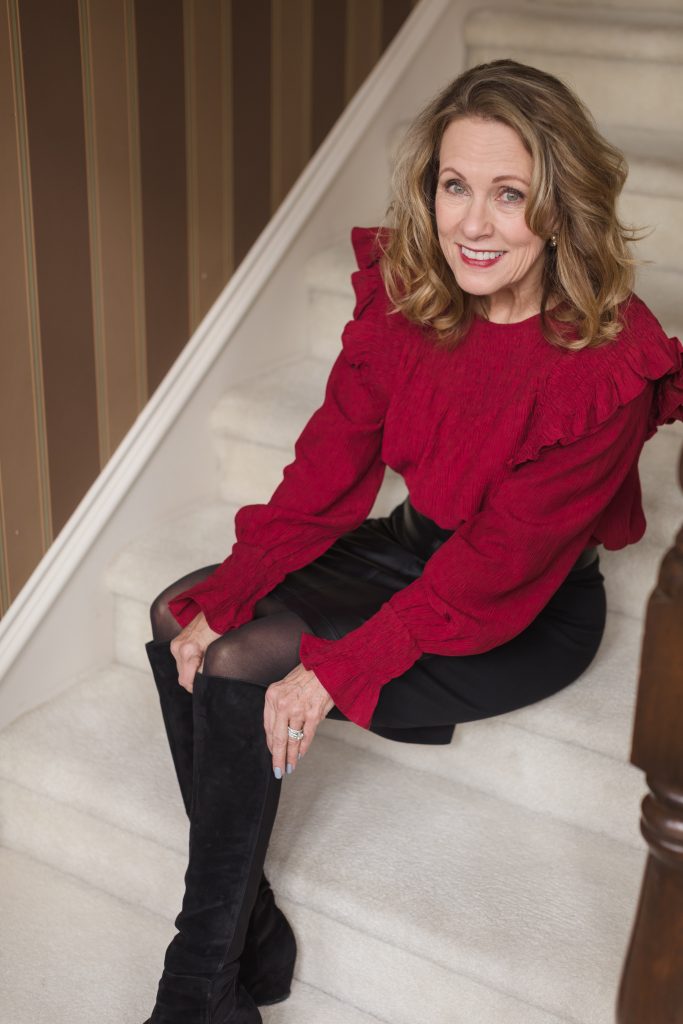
x: 290, y: 769
x: 277, y: 772
x: 299, y: 756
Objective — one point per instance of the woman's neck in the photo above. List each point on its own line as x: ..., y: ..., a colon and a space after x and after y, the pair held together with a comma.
x: 500, y: 313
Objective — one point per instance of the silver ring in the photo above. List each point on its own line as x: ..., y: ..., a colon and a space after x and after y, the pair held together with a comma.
x: 295, y: 734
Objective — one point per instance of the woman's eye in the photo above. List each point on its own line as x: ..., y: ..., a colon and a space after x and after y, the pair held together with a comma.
x: 510, y: 195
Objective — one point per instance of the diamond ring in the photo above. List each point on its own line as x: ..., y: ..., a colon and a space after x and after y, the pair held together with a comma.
x: 295, y: 734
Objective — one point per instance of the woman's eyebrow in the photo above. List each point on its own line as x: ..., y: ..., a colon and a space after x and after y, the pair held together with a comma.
x: 501, y: 177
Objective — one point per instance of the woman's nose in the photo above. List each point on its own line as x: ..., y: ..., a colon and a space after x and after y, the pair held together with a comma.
x: 476, y: 220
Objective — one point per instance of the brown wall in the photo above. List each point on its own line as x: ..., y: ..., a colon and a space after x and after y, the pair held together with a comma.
x: 145, y: 144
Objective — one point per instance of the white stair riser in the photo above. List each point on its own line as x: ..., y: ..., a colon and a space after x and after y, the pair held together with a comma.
x: 590, y: 5
x: 502, y: 760
x: 249, y: 473
x: 329, y: 312
x: 665, y: 216
x: 608, y: 87
x: 132, y: 631
x: 630, y: 579
x: 371, y: 974
x: 122, y: 863
x: 660, y: 289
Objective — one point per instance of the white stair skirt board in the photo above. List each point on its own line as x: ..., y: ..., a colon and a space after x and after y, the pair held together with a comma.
x: 407, y: 859
x: 78, y: 955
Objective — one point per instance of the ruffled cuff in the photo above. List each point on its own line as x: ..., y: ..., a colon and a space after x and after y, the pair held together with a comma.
x: 228, y: 595
x: 354, y: 668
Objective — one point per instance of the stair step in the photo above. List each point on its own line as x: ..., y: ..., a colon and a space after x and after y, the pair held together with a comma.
x: 330, y: 298
x: 73, y: 954
x: 660, y: 290
x: 626, y: 79
x: 256, y: 426
x: 661, y: 5
x: 653, y: 199
x: 89, y: 788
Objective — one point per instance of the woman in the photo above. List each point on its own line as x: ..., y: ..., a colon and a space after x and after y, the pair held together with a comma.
x: 498, y: 360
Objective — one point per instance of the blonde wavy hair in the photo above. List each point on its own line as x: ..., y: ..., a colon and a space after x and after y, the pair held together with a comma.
x: 576, y: 179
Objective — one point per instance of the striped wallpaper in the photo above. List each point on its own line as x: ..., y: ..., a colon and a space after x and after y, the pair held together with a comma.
x: 145, y: 144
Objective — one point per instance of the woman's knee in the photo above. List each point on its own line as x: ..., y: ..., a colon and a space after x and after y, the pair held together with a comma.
x: 261, y: 651
x: 228, y: 655
x: 164, y: 624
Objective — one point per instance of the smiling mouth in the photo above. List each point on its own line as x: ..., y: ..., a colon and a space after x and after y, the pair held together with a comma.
x: 480, y: 257
x: 480, y: 254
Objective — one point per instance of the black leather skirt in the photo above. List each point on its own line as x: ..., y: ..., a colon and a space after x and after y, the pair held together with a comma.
x: 348, y: 583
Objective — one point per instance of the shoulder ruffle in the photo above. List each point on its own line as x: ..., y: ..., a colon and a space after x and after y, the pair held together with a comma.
x: 367, y: 279
x: 368, y: 340
x: 585, y: 388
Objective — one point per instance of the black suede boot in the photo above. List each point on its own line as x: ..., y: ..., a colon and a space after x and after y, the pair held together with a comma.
x: 269, y: 955
x: 234, y: 803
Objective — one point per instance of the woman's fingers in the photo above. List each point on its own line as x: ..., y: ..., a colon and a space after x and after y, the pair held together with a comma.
x: 292, y: 753
x: 298, y: 702
x: 287, y: 712
x: 189, y: 657
x: 188, y: 649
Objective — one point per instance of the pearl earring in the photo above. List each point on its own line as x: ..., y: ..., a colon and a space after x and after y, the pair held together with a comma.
x: 553, y: 241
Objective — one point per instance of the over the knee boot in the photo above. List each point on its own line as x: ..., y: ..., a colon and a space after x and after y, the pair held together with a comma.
x: 269, y: 955
x: 234, y: 803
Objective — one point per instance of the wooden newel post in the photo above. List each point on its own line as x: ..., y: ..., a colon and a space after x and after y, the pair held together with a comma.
x: 651, y: 990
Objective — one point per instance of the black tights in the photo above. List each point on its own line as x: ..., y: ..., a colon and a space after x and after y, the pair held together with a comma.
x: 262, y: 651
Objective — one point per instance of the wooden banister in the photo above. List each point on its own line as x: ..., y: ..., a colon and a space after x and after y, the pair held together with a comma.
x: 651, y: 990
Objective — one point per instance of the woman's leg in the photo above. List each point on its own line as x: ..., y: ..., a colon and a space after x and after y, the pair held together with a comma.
x: 268, y: 958
x: 233, y: 806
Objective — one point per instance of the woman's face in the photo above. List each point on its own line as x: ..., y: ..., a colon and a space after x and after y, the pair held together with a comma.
x: 484, y: 176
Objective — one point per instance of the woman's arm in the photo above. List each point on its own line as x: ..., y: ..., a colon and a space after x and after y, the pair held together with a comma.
x: 494, y: 575
x: 330, y: 486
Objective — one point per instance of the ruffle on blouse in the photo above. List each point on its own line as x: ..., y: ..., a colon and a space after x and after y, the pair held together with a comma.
x: 585, y: 388
x: 366, y: 244
x: 367, y: 339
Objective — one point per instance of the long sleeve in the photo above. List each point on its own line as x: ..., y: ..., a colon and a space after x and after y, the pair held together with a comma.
x: 330, y: 486
x: 494, y: 575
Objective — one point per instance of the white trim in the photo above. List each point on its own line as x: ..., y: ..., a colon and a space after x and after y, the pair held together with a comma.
x: 72, y: 544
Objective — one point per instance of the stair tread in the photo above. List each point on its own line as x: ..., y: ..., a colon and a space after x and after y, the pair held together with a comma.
x: 100, y: 746
x: 646, y: 35
x: 272, y: 407
x: 73, y: 954
x: 330, y: 269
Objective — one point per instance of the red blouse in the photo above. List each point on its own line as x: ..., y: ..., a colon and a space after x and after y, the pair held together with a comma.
x: 528, y: 451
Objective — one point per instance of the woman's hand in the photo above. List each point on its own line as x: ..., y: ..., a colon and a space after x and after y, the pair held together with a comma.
x: 188, y: 649
x: 300, y: 701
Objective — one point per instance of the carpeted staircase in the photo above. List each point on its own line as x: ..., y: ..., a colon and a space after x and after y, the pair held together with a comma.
x: 493, y: 881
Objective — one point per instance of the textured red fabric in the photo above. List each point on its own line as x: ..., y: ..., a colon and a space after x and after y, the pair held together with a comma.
x: 527, y: 451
